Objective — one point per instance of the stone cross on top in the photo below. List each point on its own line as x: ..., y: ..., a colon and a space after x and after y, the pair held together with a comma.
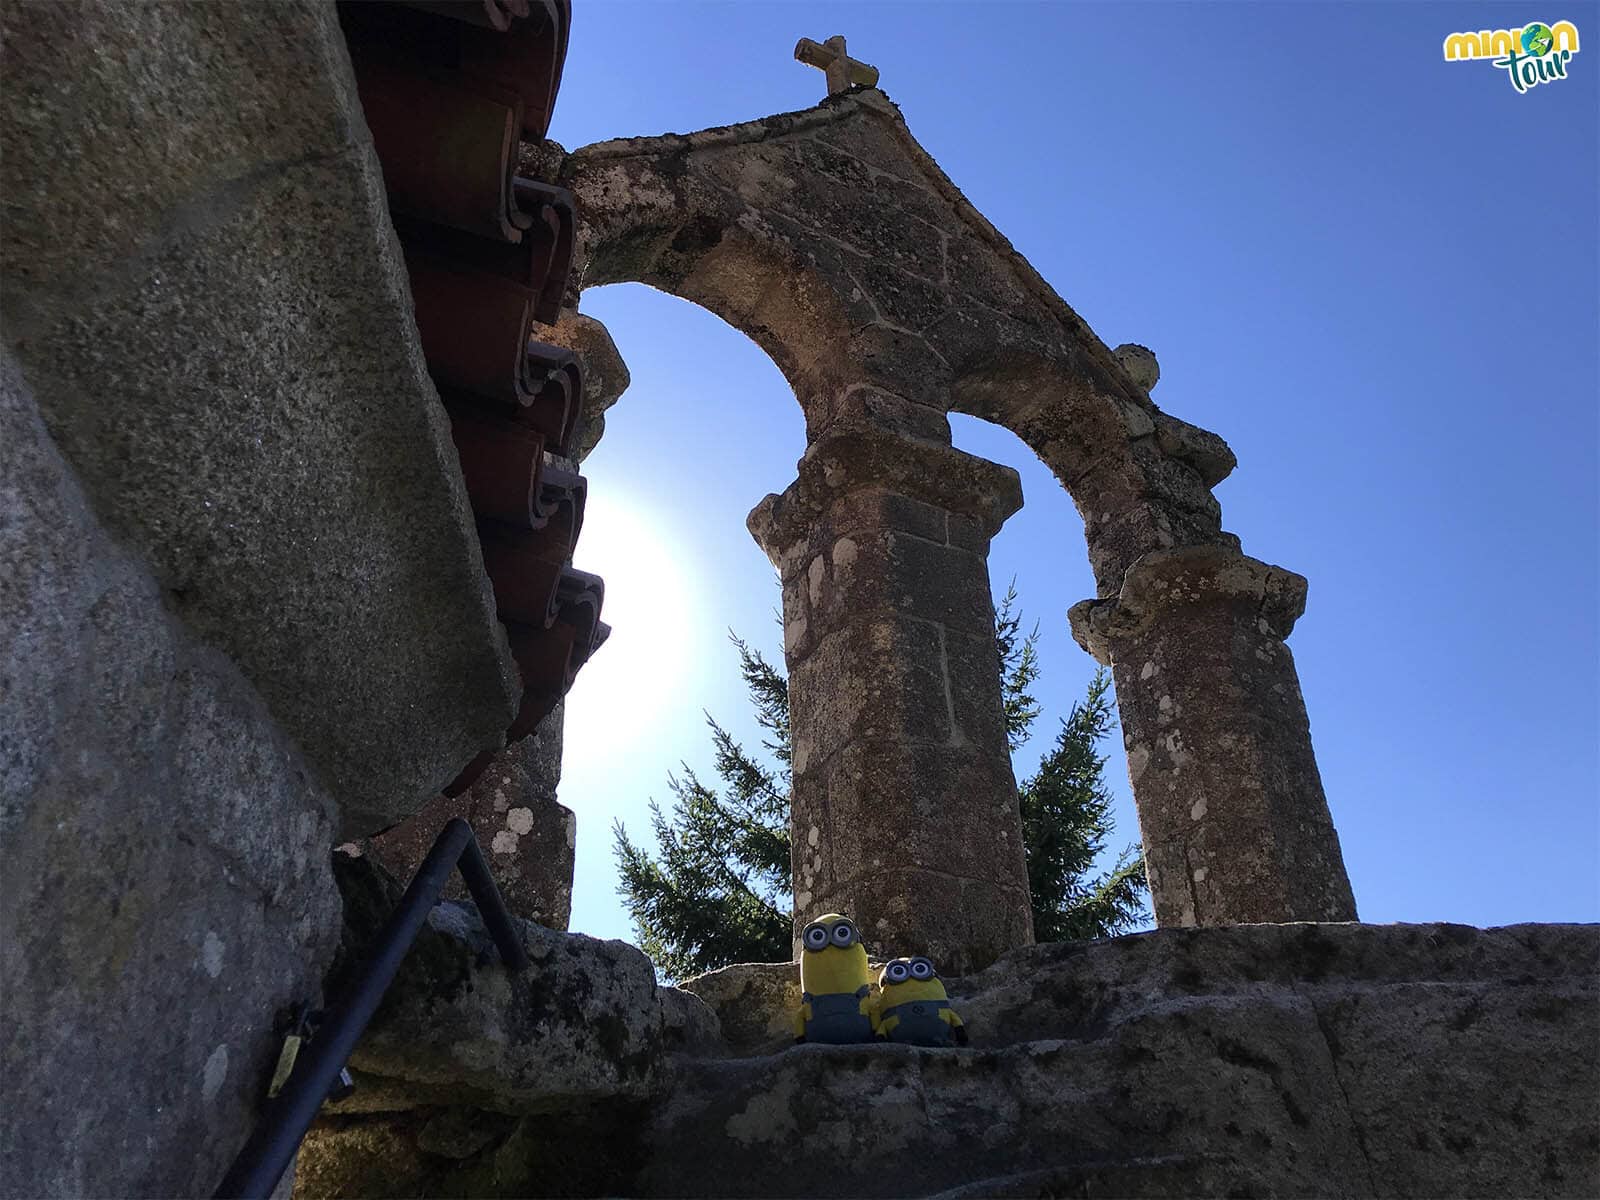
x: 843, y: 72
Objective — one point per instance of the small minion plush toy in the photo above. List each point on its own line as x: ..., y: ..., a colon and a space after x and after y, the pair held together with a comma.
x: 835, y: 988
x: 913, y: 1006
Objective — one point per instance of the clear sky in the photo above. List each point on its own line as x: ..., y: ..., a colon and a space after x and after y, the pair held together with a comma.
x: 1375, y: 273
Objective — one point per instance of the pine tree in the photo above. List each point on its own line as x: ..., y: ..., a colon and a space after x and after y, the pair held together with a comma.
x: 1019, y: 667
x: 718, y: 891
x: 1066, y: 803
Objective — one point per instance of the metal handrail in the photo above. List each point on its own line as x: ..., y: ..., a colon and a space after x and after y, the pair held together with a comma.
x: 276, y: 1140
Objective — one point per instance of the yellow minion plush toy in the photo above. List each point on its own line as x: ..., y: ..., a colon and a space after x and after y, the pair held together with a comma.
x: 913, y: 1007
x: 835, y: 988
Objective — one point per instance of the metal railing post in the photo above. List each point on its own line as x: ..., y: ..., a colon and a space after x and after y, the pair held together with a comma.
x: 276, y: 1140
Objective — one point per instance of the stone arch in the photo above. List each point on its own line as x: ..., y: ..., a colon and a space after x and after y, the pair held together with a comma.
x: 833, y: 240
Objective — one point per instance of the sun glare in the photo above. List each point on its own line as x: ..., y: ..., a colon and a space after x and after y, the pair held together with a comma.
x: 626, y: 691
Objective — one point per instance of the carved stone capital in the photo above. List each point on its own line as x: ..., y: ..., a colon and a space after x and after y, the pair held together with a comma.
x: 1188, y: 576
x: 846, y: 462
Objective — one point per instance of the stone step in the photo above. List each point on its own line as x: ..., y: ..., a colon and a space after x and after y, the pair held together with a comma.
x: 1293, y: 1060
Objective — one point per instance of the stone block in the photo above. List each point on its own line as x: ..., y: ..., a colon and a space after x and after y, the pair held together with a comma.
x: 689, y: 1025
x: 893, y: 236
x: 869, y: 511
x: 528, y: 838
x: 824, y: 262
x: 605, y: 375
x: 881, y: 460
x: 840, y: 164
x: 583, y: 1023
x: 754, y: 1004
x: 886, y: 571
x: 227, y: 358
x: 859, y: 406
x: 972, y: 667
x: 1209, y: 456
x: 901, y: 298
x: 983, y: 279
x: 967, y: 534
x: 901, y: 1121
x: 896, y: 807
x: 166, y: 891
x: 897, y: 360
x: 878, y: 677
x: 1076, y: 426
x: 1472, y: 1089
x: 1174, y: 483
x: 1410, y: 1060
x: 1118, y: 538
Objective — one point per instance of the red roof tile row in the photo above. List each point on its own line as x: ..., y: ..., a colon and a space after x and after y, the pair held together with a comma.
x: 449, y: 88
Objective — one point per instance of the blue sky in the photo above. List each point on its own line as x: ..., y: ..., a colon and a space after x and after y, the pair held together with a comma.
x: 1375, y: 273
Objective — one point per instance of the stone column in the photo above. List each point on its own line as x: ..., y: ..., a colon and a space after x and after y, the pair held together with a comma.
x: 1236, y: 827
x: 904, y: 805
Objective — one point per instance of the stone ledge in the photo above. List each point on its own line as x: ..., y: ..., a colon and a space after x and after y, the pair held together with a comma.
x: 1357, y: 1060
x: 1068, y: 989
x: 846, y: 461
x: 1402, y: 1060
x: 1188, y: 575
x: 583, y: 1023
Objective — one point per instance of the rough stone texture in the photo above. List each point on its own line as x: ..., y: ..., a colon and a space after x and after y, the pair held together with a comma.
x: 1252, y: 1060
x: 541, y: 160
x: 835, y: 242
x: 754, y: 1004
x: 525, y: 834
x: 1232, y: 814
x: 1273, y: 1060
x: 583, y: 1023
x: 605, y: 375
x: 903, y: 805
x: 205, y: 290
x: 468, y: 1153
x: 472, y: 1081
x: 165, y: 889
x: 363, y: 1159
x: 689, y: 1024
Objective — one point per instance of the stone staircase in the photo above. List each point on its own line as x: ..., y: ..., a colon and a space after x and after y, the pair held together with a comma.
x: 1350, y: 1060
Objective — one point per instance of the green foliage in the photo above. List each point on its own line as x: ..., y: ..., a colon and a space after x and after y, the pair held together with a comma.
x: 1066, y: 804
x: 1019, y: 667
x: 717, y: 892
x: 1066, y: 821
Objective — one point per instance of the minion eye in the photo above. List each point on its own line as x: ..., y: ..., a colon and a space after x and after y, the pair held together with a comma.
x: 898, y: 972
x: 921, y: 968
x: 815, y: 937
x: 843, y: 934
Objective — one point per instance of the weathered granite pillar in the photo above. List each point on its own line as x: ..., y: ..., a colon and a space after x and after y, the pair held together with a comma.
x: 904, y: 804
x: 1236, y: 827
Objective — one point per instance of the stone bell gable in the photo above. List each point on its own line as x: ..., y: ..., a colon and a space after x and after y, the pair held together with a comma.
x: 834, y: 241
